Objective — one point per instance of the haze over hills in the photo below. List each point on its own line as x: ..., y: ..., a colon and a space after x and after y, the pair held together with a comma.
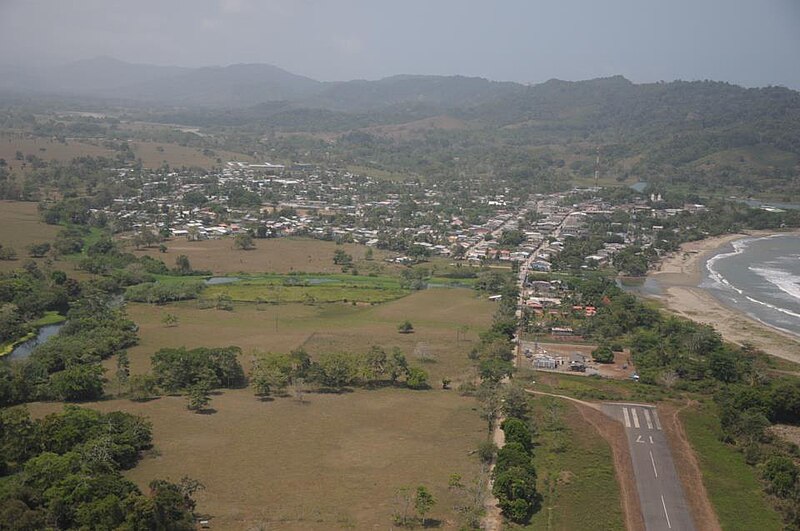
x: 707, y: 132
x: 242, y: 85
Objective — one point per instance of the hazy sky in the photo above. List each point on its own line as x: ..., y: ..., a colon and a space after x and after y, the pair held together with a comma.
x: 750, y: 42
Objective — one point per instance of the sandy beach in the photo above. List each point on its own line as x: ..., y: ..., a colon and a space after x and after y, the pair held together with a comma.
x: 679, y: 275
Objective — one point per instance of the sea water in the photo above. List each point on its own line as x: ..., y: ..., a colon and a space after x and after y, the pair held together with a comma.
x: 759, y: 276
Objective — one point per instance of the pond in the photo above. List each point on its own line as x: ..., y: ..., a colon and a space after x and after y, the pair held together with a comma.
x: 315, y: 281
x: 215, y: 281
x: 646, y: 286
x: 23, y: 350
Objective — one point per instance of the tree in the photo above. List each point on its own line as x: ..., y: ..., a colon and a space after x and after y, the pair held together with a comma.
x: 515, y: 402
x: 417, y: 378
x: 603, y: 354
x: 396, y: 365
x: 516, y: 431
x: 405, y: 327
x: 782, y: 473
x: 182, y: 265
x: 515, y: 489
x: 199, y: 396
x: 403, y: 501
x: 272, y: 372
x: 368, y: 254
x: 7, y: 253
x: 423, y: 502
x: 423, y: 353
x: 170, y: 319
x: 38, y: 250
x: 123, y: 370
x: 336, y: 369
x: 143, y: 387
x: 342, y: 258
x: 243, y: 242
x: 78, y: 383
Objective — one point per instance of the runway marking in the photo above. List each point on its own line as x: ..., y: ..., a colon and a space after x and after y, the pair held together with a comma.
x: 655, y: 418
x: 635, y: 418
x: 654, y: 463
x: 666, y: 514
x: 627, y: 418
x: 647, y: 418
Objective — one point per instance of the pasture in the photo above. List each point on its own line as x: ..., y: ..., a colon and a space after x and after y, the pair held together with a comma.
x: 20, y: 226
x: 330, y: 462
x: 334, y: 460
x: 152, y: 154
x: 274, y: 255
x: 446, y: 326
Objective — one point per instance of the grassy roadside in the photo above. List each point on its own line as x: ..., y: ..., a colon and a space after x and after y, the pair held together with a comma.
x: 732, y: 484
x: 576, y: 472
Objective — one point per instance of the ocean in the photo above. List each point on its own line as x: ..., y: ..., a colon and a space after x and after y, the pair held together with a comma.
x: 759, y: 276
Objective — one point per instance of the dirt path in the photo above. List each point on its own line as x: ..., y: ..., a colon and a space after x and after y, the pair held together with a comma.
x: 581, y: 402
x: 688, y: 468
x: 493, y: 520
x: 614, y: 434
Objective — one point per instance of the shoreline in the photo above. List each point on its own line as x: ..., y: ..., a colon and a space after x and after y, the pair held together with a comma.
x: 679, y: 275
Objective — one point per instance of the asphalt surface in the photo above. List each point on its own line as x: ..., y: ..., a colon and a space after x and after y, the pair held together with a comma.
x: 661, y: 495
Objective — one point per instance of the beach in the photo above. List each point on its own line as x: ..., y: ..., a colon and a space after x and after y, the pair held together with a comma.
x: 679, y: 275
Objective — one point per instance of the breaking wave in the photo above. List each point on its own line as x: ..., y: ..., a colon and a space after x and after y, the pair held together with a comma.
x: 788, y: 283
x: 739, y: 246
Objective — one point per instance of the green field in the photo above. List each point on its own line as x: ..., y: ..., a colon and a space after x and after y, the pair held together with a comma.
x: 309, y: 288
x: 575, y: 470
x: 732, y: 484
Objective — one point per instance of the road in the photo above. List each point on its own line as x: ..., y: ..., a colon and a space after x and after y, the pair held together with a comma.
x: 661, y: 495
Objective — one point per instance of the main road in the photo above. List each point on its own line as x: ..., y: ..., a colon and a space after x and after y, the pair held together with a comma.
x: 661, y: 495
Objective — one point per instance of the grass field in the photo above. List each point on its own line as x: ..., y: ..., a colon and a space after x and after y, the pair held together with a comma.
x: 591, y: 387
x: 20, y: 227
x: 276, y: 255
x: 47, y: 149
x: 732, y: 485
x: 152, y: 154
x: 576, y: 472
x: 333, y: 462
x: 439, y: 317
x: 310, y: 288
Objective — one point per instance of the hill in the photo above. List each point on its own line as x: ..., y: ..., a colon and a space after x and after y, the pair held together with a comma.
x: 699, y: 135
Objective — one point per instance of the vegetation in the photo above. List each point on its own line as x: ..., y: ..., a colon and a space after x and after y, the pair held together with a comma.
x: 64, y: 472
x: 200, y: 368
x: 273, y: 373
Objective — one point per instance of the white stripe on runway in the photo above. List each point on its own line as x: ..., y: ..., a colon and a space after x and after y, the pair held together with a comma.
x: 664, y: 504
x: 652, y: 460
x: 655, y: 418
x: 627, y: 417
x: 647, y: 418
x: 635, y: 418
